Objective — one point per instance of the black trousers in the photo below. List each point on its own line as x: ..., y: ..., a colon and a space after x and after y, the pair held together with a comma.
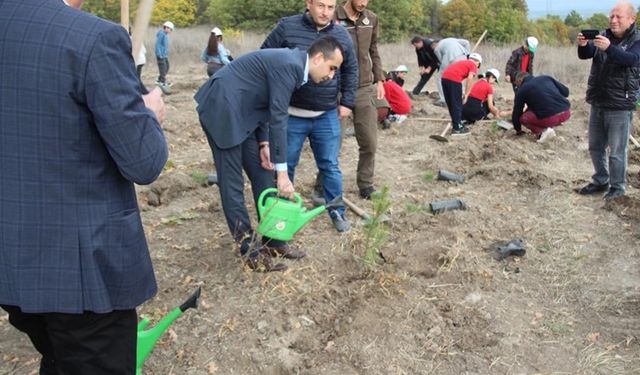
x: 81, y: 344
x: 143, y: 88
x: 453, y: 96
x: 163, y: 69
x: 213, y: 67
x: 424, y: 78
x: 474, y: 110
x: 230, y: 163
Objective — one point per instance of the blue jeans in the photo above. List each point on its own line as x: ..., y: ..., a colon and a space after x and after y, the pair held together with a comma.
x: 324, y: 136
x: 609, y: 128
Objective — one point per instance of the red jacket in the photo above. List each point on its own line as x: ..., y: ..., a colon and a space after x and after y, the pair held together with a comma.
x: 398, y: 99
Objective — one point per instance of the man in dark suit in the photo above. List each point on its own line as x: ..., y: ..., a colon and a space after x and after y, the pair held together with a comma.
x: 75, y: 135
x: 243, y: 111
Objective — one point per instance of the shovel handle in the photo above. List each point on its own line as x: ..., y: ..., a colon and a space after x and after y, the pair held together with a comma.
x: 479, y: 41
x: 140, y: 25
x: 357, y: 210
x: 446, y: 129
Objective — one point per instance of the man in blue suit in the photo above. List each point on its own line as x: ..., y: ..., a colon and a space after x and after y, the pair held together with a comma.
x: 243, y: 111
x: 75, y: 135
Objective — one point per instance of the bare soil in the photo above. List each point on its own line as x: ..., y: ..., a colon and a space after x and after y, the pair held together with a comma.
x: 441, y: 304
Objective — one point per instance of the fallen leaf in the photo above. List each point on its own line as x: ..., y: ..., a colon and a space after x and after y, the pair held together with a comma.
x: 593, y: 337
x: 212, y: 368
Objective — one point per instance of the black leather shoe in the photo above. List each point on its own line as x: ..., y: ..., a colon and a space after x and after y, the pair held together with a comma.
x: 592, y: 189
x: 285, y: 251
x: 613, y: 194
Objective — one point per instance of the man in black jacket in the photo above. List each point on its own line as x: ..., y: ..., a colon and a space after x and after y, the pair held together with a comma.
x: 314, y: 110
x: 612, y: 92
x: 547, y: 105
x: 427, y: 61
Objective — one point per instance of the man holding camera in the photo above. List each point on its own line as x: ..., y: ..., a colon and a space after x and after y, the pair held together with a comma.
x: 612, y: 92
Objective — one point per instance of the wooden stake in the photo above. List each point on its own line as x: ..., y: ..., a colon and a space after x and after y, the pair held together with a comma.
x: 143, y: 17
x: 124, y: 14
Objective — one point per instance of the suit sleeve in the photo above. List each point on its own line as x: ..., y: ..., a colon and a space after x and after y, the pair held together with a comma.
x: 378, y: 74
x: 348, y: 72
x: 282, y: 83
x: 275, y: 39
x: 130, y: 132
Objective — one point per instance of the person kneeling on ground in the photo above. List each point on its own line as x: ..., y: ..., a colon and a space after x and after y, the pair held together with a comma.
x: 396, y: 104
x: 547, y: 105
x: 480, y: 100
x: 452, y: 79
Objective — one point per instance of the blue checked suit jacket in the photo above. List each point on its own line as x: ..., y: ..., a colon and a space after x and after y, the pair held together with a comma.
x: 75, y: 136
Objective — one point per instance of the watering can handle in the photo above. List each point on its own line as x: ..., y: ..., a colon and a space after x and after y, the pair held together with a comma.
x: 268, y: 191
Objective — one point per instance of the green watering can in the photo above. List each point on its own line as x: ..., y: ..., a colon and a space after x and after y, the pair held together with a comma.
x: 147, y: 339
x: 281, y: 218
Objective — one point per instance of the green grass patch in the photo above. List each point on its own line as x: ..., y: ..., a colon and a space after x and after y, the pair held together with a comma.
x: 428, y: 176
x: 199, y: 177
x: 180, y: 218
x: 413, y: 208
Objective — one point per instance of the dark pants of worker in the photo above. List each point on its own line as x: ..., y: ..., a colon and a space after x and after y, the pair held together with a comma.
x: 474, y: 110
x: 424, y: 78
x: 453, y: 96
x: 143, y: 88
x: 80, y: 344
x: 163, y: 69
x: 230, y: 163
x: 213, y: 67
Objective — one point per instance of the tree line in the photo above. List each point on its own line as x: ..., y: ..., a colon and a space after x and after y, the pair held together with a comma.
x: 506, y: 20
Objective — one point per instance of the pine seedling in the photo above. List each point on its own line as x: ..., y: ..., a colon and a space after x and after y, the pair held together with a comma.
x: 376, y: 231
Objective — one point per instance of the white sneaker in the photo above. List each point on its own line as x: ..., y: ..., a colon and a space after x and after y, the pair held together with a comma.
x: 400, y: 119
x: 546, y: 134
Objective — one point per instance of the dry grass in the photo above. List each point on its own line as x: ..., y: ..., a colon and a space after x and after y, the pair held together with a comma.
x: 559, y: 62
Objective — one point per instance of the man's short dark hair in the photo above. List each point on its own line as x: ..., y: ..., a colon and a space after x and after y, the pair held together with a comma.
x: 416, y: 39
x: 327, y: 45
x: 521, y: 76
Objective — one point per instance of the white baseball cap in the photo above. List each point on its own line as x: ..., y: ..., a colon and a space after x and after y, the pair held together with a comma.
x: 476, y: 56
x: 216, y: 31
x: 169, y: 24
x: 532, y: 42
x: 494, y: 72
x: 401, y: 68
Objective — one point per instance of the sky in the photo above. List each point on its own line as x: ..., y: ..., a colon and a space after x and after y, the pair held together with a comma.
x: 540, y: 8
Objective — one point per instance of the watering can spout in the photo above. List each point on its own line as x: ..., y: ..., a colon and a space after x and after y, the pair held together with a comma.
x: 147, y: 338
x: 191, y: 302
x: 308, y: 216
